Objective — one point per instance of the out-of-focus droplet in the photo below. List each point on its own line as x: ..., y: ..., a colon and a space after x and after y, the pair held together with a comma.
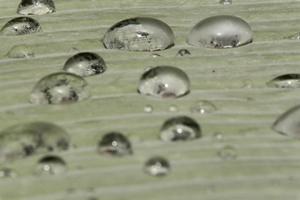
x: 20, y: 51
x: 51, y: 165
x: 21, y: 26
x: 157, y: 166
x: 183, y: 52
x: 228, y: 153
x: 148, y: 109
x: 115, y: 143
x: 203, y: 107
x: 36, y: 7
x: 285, y: 81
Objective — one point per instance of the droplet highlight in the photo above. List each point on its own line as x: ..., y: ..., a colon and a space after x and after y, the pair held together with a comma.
x: 115, y: 143
x: 203, y: 107
x: 20, y: 51
x: 51, y: 165
x: 157, y: 166
x: 285, y: 81
x: 21, y: 26
x: 36, y: 7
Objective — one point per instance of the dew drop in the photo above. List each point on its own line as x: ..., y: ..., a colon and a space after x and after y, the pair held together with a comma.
x: 155, y: 55
x: 51, y: 165
x: 173, y: 108
x: 36, y: 7
x: 227, y: 153
x: 223, y: 31
x: 183, y: 52
x: 85, y: 64
x: 139, y: 34
x: 180, y: 128
x: 21, y: 26
x: 164, y: 82
x: 26, y: 139
x: 203, y: 107
x: 225, y: 2
x: 148, y: 109
x: 157, y: 166
x: 20, y: 51
x: 7, y: 173
x: 59, y: 88
x: 285, y: 81
x: 115, y: 143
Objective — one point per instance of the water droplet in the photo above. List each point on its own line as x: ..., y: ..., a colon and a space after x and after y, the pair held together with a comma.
x: 226, y: 2
x: 218, y: 136
x: 223, y: 31
x: 59, y: 88
x: 139, y: 34
x: 285, y: 81
x: 23, y: 140
x: 228, y: 153
x: 148, y: 109
x: 173, y: 108
x: 85, y: 64
x: 183, y: 52
x: 157, y: 166
x: 180, y: 129
x: 295, y: 36
x: 20, y: 51
x: 155, y: 55
x: 115, y: 143
x: 7, y: 173
x: 203, y: 107
x: 51, y: 165
x: 36, y: 7
x: 21, y: 26
x: 164, y: 82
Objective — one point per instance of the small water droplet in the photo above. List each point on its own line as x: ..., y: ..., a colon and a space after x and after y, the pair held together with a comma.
x: 23, y: 140
x: 115, y: 143
x: 59, y: 88
x: 85, y: 64
x: 173, y: 108
x: 36, y: 7
x: 164, y: 82
x: 225, y: 2
x: 247, y: 84
x: 7, y: 173
x: 180, y: 128
x: 183, y: 52
x: 227, y: 153
x: 157, y: 166
x: 148, y: 109
x: 218, y: 136
x: 51, y: 165
x: 285, y: 81
x: 223, y: 31
x: 155, y: 55
x: 139, y: 34
x: 203, y: 107
x: 21, y: 26
x: 20, y: 51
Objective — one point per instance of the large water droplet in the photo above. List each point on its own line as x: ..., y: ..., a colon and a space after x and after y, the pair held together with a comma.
x: 85, y: 64
x: 164, y: 82
x: 21, y: 26
x: 203, y: 107
x: 7, y: 173
x: 36, y: 7
x: 20, y: 51
x: 223, y: 31
x: 285, y: 81
x: 180, y: 128
x: 59, y: 88
x: 227, y: 153
x: 157, y: 166
x: 139, y: 34
x: 115, y: 143
x: 51, y: 165
x: 23, y: 140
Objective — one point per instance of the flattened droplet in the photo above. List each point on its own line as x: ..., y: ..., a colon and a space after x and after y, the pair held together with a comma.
x: 285, y: 81
x: 23, y: 140
x: 36, y: 7
x: 139, y: 34
x: 59, y: 88
x: 180, y: 128
x: 115, y: 143
x: 164, y: 82
x: 157, y: 166
x: 85, y: 64
x: 20, y: 51
x: 51, y: 165
x: 21, y: 26
x: 223, y: 31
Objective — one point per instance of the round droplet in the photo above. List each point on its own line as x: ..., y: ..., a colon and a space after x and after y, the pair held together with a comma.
x: 139, y: 34
x: 59, y: 88
x: 203, y: 107
x: 183, y: 52
x: 23, y: 140
x: 20, y: 51
x: 180, y: 129
x: 225, y: 2
x: 157, y: 166
x: 227, y: 153
x: 85, y: 64
x: 285, y: 81
x: 164, y: 82
x: 51, y: 165
x: 7, y: 173
x: 115, y: 143
x: 21, y: 26
x: 36, y: 7
x: 148, y: 109
x: 223, y: 31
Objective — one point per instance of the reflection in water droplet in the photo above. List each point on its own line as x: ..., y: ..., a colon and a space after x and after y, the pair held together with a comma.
x: 173, y: 108
x: 7, y: 173
x: 225, y: 2
x: 183, y: 52
x: 115, y: 143
x: 285, y: 81
x: 228, y: 153
x: 180, y: 129
x: 20, y: 51
x: 148, y: 109
x: 23, y: 140
x: 21, y: 26
x: 59, y: 88
x: 203, y: 107
x: 223, y: 31
x: 139, y: 34
x: 157, y: 166
x: 164, y: 82
x: 36, y: 7
x: 85, y: 64
x: 51, y: 165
